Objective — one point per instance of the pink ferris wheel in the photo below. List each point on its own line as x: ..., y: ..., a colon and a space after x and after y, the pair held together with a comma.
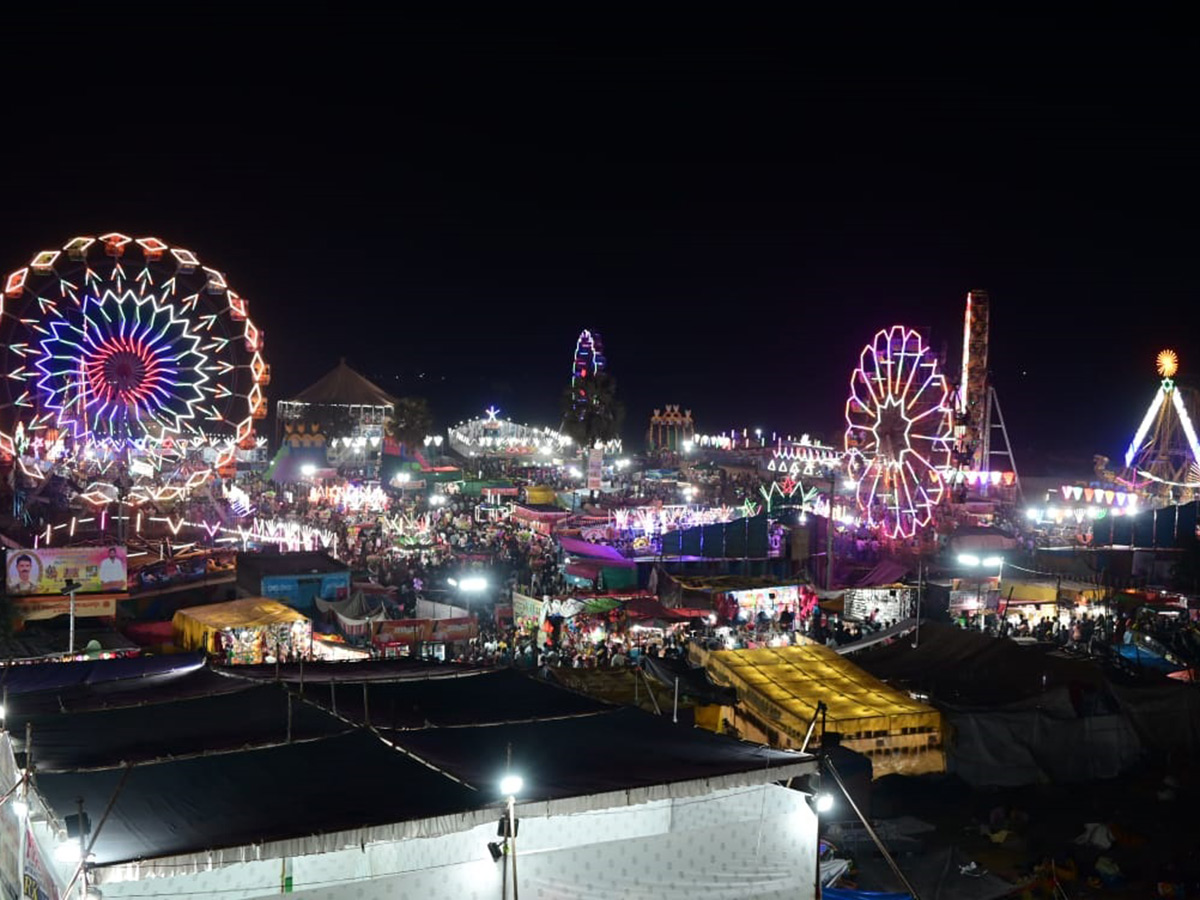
x: 899, y: 432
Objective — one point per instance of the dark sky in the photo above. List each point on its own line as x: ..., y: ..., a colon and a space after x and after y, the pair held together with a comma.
x: 736, y: 204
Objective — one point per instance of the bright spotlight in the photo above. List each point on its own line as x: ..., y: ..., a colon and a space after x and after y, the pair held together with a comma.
x: 510, y: 785
x: 308, y: 470
x: 473, y: 585
x: 824, y: 802
x: 993, y: 561
x: 849, y: 484
x: 68, y: 851
x: 968, y: 559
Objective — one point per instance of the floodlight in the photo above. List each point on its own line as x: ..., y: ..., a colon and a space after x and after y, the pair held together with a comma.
x: 968, y: 559
x: 510, y: 785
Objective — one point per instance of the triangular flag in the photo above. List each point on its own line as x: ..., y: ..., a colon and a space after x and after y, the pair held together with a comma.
x: 1066, y: 492
x: 1077, y: 491
x: 1089, y: 494
x: 1109, y: 495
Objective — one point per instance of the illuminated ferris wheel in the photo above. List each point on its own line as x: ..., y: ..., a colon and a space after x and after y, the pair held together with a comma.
x: 129, y: 367
x: 899, y: 431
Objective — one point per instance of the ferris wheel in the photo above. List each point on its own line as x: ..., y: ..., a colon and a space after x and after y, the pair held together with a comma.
x: 127, y: 366
x: 899, y: 432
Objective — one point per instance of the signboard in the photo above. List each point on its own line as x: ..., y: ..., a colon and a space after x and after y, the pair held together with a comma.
x: 415, y: 631
x: 38, y: 884
x: 33, y: 608
x: 46, y: 571
x: 11, y: 831
x: 402, y: 631
x: 595, y: 468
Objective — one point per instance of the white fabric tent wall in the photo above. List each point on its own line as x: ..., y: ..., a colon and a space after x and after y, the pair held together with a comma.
x: 745, y: 842
x: 433, y: 609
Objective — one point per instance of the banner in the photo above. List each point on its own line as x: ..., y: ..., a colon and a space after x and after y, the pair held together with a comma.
x: 461, y: 629
x: 527, y: 611
x: 415, y: 631
x: 402, y: 631
x: 46, y: 571
x: 33, y: 608
x: 11, y: 830
x: 595, y: 466
x: 38, y: 883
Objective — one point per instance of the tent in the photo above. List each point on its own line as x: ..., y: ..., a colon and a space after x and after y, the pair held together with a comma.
x: 779, y: 689
x: 342, y: 386
x: 609, y: 793
x: 247, y: 620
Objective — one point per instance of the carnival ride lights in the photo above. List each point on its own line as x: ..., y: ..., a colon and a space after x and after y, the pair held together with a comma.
x: 126, y: 359
x: 1160, y: 456
x: 898, y: 432
x: 588, y: 363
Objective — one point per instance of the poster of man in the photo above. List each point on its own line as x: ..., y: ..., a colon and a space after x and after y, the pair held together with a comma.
x: 24, y: 573
x: 48, y: 570
x: 112, y: 571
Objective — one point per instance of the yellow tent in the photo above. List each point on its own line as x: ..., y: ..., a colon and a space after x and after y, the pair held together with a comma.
x: 540, y: 495
x: 779, y: 688
x: 196, y: 627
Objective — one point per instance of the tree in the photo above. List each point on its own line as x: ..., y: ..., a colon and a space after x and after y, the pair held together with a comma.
x: 592, y: 414
x: 410, y: 422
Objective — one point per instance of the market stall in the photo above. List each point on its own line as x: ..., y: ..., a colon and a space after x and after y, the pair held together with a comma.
x: 247, y: 631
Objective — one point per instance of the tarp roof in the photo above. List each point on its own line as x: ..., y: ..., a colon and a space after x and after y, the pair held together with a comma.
x: 795, y: 679
x: 566, y: 746
x: 247, y: 612
x: 342, y: 386
x: 959, y: 665
x: 611, y: 555
x: 886, y: 571
x: 257, y: 715
x: 233, y: 799
x: 57, y: 676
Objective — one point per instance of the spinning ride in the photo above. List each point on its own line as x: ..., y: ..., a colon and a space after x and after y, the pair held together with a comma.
x: 131, y: 369
x: 1164, y: 456
x: 899, y: 432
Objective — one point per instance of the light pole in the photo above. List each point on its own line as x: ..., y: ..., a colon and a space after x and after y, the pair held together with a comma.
x: 511, y: 785
x: 971, y: 561
x: 69, y: 590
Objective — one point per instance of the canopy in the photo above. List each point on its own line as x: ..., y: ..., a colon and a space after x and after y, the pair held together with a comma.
x: 342, y: 386
x: 195, y: 625
x: 784, y: 685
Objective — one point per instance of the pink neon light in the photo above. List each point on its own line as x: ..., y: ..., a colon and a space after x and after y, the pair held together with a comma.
x: 123, y: 370
x: 887, y: 418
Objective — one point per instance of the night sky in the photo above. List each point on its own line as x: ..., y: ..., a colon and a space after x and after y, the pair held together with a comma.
x: 737, y: 206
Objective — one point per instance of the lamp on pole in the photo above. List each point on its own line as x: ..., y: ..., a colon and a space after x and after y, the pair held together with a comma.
x: 971, y: 561
x: 511, y: 785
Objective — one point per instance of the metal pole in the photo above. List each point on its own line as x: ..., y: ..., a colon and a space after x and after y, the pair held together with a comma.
x: 512, y: 830
x: 871, y: 831
x: 920, y: 584
x: 71, y: 628
x: 675, y: 710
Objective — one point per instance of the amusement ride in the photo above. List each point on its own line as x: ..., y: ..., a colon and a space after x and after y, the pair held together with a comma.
x: 899, y: 432
x: 131, y: 373
x: 1163, y: 458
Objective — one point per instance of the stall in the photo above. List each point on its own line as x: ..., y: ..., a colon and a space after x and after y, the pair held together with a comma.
x: 242, y: 632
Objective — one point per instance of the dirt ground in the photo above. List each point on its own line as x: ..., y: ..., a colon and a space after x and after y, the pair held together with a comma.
x: 1155, y: 827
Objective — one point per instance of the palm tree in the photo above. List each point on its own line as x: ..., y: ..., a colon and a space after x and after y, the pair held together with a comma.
x: 410, y: 422
x: 592, y: 414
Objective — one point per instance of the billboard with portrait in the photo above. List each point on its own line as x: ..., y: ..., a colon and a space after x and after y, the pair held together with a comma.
x: 30, y: 573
